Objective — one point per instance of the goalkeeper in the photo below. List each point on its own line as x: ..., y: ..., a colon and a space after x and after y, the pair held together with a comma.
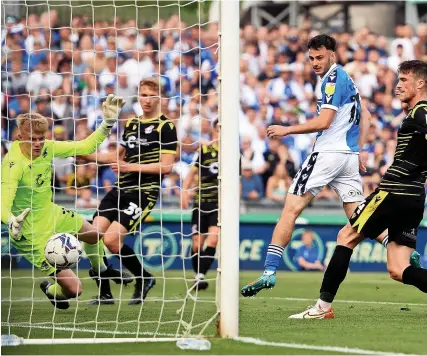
x: 26, y: 201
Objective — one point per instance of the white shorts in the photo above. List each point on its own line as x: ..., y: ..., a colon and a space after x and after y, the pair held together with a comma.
x: 338, y: 170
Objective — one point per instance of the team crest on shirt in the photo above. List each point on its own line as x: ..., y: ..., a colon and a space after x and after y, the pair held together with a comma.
x: 44, y: 153
x: 11, y: 164
x: 149, y: 129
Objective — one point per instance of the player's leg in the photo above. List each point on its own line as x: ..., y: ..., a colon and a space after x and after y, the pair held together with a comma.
x: 401, y: 271
x: 208, y: 231
x: 308, y: 182
x: 348, y: 186
x: 102, y: 278
x: 67, y: 285
x: 282, y: 234
x: 370, y: 218
x: 208, y: 256
x: 114, y: 240
x: 198, y: 239
x: 71, y: 222
x: 403, y: 236
x: 348, y: 239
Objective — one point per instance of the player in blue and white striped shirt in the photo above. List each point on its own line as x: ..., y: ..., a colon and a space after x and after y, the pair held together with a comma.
x: 341, y: 128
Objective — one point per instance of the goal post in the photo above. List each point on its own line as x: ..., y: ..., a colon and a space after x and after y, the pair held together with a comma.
x: 229, y: 92
x: 170, y: 29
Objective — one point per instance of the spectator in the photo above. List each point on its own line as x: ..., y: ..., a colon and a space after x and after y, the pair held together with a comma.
x: 306, y: 256
x: 69, y: 69
x: 171, y: 185
x: 251, y: 184
x: 256, y: 158
x: 278, y: 184
x: 43, y: 77
x: 78, y: 185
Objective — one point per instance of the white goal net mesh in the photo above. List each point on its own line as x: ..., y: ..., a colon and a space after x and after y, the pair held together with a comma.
x: 61, y: 59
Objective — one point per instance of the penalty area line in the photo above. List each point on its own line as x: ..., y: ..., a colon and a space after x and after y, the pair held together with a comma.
x: 347, y: 350
x: 338, y: 301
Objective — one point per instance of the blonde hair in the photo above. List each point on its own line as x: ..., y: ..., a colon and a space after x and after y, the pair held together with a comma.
x: 152, y: 83
x: 38, y: 123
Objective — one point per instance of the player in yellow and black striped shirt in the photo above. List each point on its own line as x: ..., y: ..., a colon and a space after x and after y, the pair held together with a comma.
x: 146, y: 154
x: 398, y: 203
x: 204, y: 221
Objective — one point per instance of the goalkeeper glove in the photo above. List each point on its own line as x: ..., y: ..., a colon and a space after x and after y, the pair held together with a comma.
x: 111, y: 109
x: 16, y: 222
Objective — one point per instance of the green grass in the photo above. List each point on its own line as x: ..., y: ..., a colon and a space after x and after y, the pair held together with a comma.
x: 374, y: 326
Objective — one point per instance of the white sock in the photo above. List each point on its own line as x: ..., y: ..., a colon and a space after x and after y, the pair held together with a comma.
x: 102, y: 268
x: 385, y: 241
x: 269, y: 273
x: 323, y: 305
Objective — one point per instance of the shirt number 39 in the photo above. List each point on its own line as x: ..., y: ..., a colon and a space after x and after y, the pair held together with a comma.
x: 133, y: 210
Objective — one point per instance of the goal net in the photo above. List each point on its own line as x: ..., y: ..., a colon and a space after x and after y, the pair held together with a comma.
x: 61, y: 59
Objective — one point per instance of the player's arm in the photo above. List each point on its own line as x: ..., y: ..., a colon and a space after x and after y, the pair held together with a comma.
x: 322, y: 122
x: 331, y: 102
x: 365, y: 119
x: 11, y: 174
x: 186, y: 186
x: 169, y: 142
x: 106, y: 158
x: 111, y: 110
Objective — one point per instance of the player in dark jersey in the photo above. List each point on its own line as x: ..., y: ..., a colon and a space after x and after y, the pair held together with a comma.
x: 397, y: 204
x: 204, y: 221
x: 146, y: 154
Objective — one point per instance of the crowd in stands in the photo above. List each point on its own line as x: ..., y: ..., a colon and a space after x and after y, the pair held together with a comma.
x: 65, y: 73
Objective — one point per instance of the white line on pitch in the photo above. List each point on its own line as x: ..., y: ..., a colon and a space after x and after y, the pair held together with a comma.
x: 63, y: 328
x: 347, y: 350
x: 337, y: 301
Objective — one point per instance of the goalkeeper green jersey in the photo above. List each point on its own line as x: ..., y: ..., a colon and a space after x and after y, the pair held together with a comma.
x: 27, y: 183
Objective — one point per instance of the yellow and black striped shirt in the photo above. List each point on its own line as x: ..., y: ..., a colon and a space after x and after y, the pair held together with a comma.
x: 408, y: 173
x: 206, y: 162
x: 144, y: 141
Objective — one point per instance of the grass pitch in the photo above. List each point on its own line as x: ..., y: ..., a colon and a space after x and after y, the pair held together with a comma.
x: 372, y: 312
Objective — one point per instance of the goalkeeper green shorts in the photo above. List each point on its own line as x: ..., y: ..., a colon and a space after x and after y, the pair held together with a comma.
x: 40, y: 227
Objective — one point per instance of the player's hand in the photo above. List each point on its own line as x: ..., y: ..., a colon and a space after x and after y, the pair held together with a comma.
x: 111, y: 109
x: 362, y: 166
x: 16, y: 222
x: 277, y: 131
x: 123, y: 167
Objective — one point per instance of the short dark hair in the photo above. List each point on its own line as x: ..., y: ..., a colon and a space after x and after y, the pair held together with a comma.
x: 320, y: 41
x: 216, y: 122
x: 417, y: 68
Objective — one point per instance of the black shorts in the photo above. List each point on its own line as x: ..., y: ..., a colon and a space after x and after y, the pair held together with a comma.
x: 201, y: 221
x: 400, y: 214
x: 129, y: 209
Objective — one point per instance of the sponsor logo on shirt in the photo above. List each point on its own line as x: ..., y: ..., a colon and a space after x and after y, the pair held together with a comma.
x: 149, y: 129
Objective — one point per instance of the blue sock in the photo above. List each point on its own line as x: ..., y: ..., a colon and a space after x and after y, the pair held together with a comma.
x: 272, y: 260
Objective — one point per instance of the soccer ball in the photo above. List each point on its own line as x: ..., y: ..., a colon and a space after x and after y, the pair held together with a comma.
x: 63, y: 251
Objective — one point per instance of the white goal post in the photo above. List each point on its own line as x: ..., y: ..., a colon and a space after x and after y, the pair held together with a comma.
x: 222, y: 317
x: 229, y: 167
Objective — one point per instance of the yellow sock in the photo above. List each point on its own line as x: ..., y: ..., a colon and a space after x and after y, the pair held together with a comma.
x: 56, y: 290
x: 95, y: 253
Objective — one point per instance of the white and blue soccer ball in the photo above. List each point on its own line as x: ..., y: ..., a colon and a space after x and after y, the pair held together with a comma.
x: 63, y: 251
